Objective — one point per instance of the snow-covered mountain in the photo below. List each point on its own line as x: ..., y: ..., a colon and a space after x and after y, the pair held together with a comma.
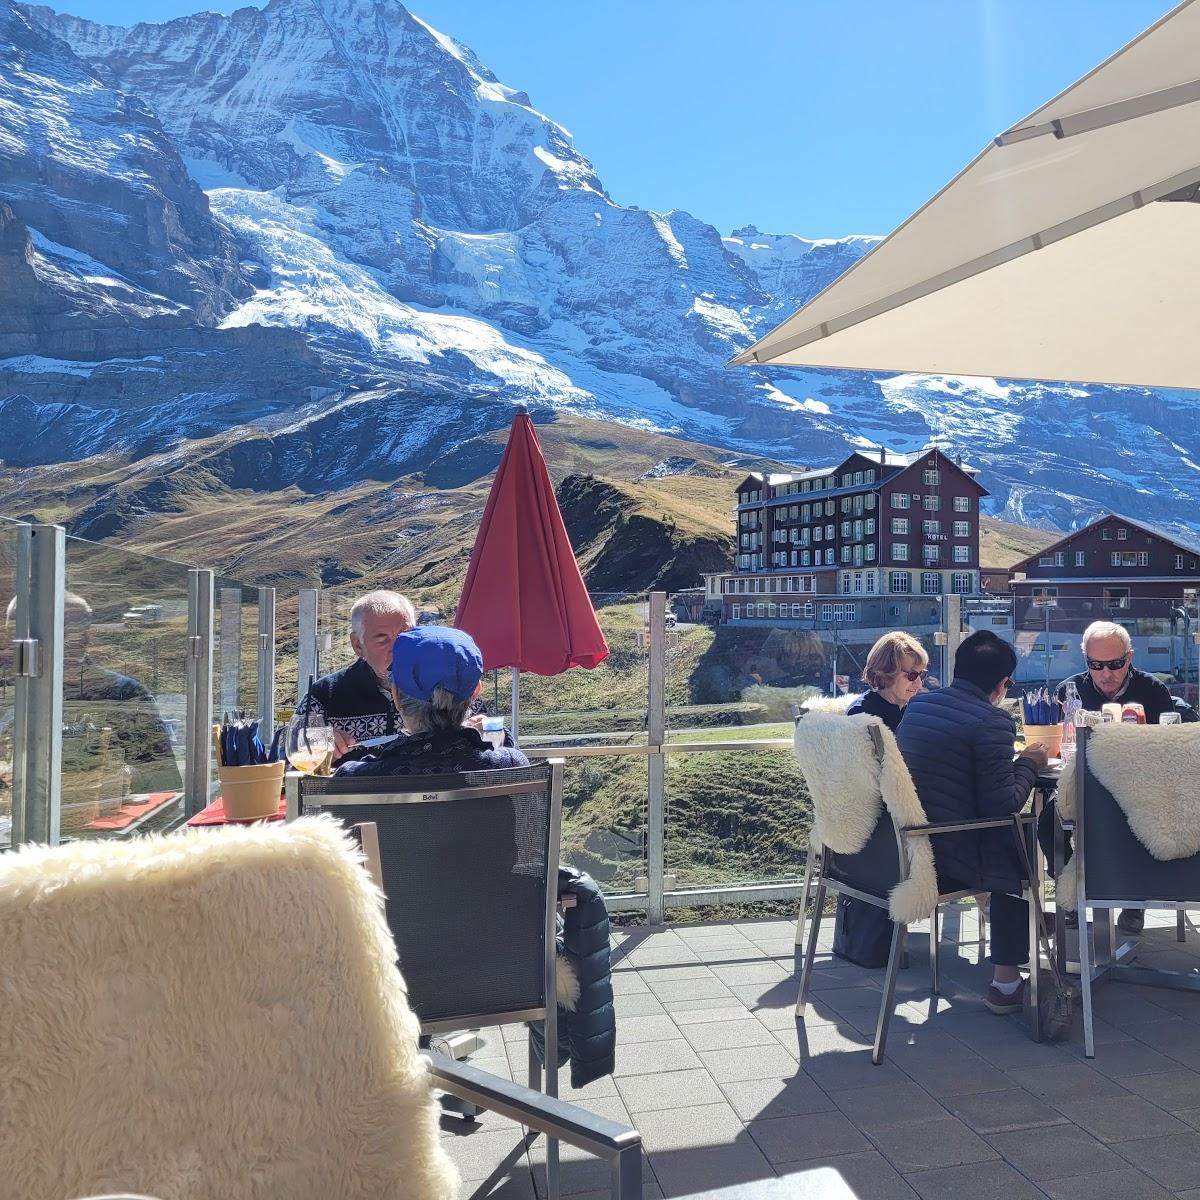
x: 426, y: 226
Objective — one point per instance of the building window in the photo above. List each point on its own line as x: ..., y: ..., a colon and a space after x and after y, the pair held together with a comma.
x: 829, y: 533
x: 869, y: 476
x: 869, y: 526
x: 962, y: 553
x: 858, y: 585
x: 870, y: 581
x: 858, y: 532
x: 962, y: 503
x: 858, y: 556
x: 1143, y: 558
x: 900, y: 552
x: 1047, y: 560
x: 1124, y: 558
x: 1044, y: 597
x: 1106, y: 535
x: 805, y: 510
x: 931, y: 503
x: 900, y: 500
x: 962, y: 583
x: 931, y: 583
x: 1060, y: 558
x: 858, y: 478
x: 962, y: 529
x: 846, y: 527
x: 826, y: 612
x: 869, y: 552
x: 736, y: 611
x: 931, y: 478
x: 845, y: 582
x: 900, y: 581
x: 931, y: 528
x: 931, y: 555
x: 846, y: 503
x: 829, y: 507
x: 1116, y: 597
x: 1081, y: 558
x: 870, y: 501
x: 805, y: 558
x: 1179, y: 562
x: 1122, y: 534
x: 829, y: 556
x: 900, y: 525
x: 845, y: 554
x: 772, y: 610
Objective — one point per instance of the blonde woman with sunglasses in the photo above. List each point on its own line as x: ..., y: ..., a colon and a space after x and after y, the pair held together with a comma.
x: 895, y: 672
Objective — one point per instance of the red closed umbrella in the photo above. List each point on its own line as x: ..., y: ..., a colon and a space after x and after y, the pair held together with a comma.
x: 524, y: 601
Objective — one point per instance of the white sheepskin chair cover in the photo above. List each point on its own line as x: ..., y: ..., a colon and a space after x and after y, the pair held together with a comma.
x: 1151, y: 771
x: 848, y: 784
x: 212, y: 1015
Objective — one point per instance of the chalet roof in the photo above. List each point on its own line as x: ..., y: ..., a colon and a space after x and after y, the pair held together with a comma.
x: 1166, y: 535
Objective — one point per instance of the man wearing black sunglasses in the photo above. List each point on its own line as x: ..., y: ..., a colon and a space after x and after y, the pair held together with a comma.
x: 1111, y: 678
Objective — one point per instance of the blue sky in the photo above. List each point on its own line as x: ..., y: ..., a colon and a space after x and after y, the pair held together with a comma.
x: 818, y: 117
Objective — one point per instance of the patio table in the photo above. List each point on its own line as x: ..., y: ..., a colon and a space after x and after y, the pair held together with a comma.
x: 214, y: 815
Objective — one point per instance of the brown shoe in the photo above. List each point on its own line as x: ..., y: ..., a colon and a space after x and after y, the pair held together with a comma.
x: 1001, y: 1004
x: 1132, y: 920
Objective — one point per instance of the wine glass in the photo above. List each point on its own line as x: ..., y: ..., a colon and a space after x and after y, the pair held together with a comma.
x: 310, y: 742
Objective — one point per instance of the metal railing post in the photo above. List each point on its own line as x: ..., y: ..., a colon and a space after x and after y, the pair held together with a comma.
x: 266, y: 664
x: 38, y: 694
x: 656, y: 823
x: 952, y: 615
x: 197, y: 778
x: 306, y: 640
x: 231, y: 649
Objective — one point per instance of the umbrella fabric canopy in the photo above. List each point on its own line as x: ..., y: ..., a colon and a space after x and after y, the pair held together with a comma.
x: 1068, y: 250
x: 524, y: 600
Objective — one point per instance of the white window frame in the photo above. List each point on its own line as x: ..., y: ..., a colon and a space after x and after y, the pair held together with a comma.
x: 896, y: 577
x: 931, y: 577
x: 962, y: 583
x: 1081, y: 558
x: 931, y: 478
x: 962, y: 529
x: 900, y: 552
x: 1122, y: 534
x: 901, y: 500
x: 962, y: 554
x: 962, y: 503
x: 900, y: 526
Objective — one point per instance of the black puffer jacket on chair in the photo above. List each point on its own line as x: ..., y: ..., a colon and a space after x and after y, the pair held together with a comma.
x: 587, y: 1035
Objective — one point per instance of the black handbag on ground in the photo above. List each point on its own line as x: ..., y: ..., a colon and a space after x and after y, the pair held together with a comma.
x: 862, y: 933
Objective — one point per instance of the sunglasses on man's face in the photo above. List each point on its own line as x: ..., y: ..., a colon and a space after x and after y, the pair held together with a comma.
x: 1107, y: 664
x: 913, y: 676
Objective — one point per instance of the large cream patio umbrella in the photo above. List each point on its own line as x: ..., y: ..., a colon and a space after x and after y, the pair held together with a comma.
x: 1068, y: 250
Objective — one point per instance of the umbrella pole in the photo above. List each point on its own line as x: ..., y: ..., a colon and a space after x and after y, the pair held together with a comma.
x: 516, y: 699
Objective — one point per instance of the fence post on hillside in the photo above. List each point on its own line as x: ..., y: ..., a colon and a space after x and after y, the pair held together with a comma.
x: 38, y: 694
x: 656, y: 782
x: 266, y: 664
x: 952, y: 614
x: 306, y: 640
x: 197, y: 771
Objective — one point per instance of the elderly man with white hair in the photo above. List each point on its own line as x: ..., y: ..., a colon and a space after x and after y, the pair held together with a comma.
x: 1111, y: 678
x: 357, y: 700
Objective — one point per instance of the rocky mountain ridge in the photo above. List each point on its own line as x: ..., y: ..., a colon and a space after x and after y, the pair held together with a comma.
x: 418, y: 226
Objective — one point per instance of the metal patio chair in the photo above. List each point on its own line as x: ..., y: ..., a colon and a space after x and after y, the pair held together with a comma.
x: 870, y: 876
x: 1113, y: 870
x: 468, y: 864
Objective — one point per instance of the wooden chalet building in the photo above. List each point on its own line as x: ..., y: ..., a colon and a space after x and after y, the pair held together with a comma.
x: 1116, y: 569
x: 877, y: 523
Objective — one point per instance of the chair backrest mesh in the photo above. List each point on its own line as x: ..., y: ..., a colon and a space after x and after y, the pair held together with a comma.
x: 1117, y: 866
x: 875, y: 869
x: 464, y: 880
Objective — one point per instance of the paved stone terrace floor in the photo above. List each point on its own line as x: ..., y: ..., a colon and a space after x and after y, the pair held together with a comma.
x: 725, y: 1088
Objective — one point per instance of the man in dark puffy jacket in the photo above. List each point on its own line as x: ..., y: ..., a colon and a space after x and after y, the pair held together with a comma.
x: 959, y: 748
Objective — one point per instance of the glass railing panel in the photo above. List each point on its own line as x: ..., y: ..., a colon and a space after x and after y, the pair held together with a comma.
x: 604, y: 820
x: 124, y: 707
x: 234, y: 657
x: 734, y: 817
x: 1048, y: 636
x: 746, y: 673
x: 8, y: 562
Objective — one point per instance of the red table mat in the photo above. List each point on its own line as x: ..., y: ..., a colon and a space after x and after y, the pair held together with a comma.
x: 214, y: 814
x: 131, y: 811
